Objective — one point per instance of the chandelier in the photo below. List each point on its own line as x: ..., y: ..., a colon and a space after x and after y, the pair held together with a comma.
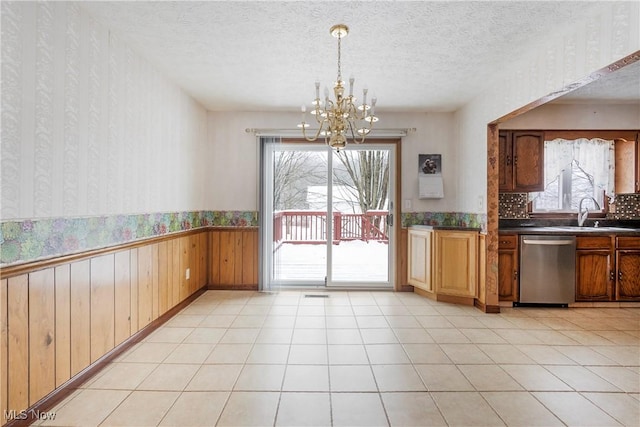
x: 340, y: 118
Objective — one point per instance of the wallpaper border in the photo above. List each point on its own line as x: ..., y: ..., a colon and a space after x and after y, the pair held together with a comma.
x: 451, y: 219
x: 28, y: 240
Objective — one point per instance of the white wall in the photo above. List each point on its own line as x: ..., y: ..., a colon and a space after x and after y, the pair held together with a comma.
x: 234, y: 163
x: 88, y: 127
x: 578, y: 116
x: 612, y: 32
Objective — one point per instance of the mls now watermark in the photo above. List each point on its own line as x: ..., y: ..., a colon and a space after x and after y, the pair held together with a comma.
x: 33, y: 414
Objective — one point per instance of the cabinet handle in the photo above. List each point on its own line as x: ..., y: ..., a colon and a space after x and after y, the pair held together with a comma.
x: 515, y: 160
x: 508, y: 160
x: 612, y: 275
x: 619, y: 275
x: 515, y: 275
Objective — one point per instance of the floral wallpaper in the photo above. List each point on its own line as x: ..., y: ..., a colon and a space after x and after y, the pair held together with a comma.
x: 29, y: 240
x: 455, y: 219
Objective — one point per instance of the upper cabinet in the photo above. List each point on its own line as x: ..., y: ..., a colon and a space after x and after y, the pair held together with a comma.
x: 521, y: 161
x: 627, y: 166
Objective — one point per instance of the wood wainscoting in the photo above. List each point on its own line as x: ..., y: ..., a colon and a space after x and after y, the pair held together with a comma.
x: 233, y: 258
x: 60, y: 317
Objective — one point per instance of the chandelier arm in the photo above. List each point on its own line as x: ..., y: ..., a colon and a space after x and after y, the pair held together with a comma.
x: 353, y: 134
x: 315, y: 137
x: 319, y: 119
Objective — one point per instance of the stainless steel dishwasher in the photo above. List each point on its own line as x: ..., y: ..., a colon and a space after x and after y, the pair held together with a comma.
x: 547, y: 269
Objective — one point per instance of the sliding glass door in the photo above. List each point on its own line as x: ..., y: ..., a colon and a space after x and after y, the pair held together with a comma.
x: 327, y: 215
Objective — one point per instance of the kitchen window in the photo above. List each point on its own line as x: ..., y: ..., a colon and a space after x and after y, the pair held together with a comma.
x: 574, y: 170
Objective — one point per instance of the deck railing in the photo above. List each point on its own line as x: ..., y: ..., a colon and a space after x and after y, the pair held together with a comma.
x: 310, y: 227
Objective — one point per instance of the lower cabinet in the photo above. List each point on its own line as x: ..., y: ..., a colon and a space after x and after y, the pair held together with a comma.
x: 443, y: 262
x: 456, y: 263
x: 608, y: 268
x: 627, y: 279
x: 594, y: 268
x: 508, y: 267
x: 419, y: 265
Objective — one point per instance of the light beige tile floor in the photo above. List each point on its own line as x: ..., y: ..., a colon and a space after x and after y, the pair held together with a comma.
x: 369, y: 358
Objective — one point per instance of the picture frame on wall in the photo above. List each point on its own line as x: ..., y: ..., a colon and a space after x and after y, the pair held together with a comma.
x: 430, y: 164
x: 430, y: 182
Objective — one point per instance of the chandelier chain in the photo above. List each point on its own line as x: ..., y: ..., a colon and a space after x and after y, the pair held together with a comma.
x: 339, y: 55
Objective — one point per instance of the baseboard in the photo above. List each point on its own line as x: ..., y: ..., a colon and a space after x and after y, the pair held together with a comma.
x: 252, y: 287
x: 486, y: 308
x: 405, y: 288
x: 424, y: 293
x: 62, y: 392
x: 455, y: 299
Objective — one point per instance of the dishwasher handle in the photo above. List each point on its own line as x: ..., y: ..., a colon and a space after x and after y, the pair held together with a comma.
x: 548, y: 242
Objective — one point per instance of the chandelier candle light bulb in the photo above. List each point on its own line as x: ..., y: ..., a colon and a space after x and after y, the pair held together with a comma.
x: 340, y: 118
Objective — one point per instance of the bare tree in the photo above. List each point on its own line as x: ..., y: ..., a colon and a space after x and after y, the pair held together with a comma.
x: 294, y: 171
x: 366, y: 178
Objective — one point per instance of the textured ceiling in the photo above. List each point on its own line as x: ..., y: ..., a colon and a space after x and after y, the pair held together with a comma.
x: 265, y: 56
x: 620, y: 87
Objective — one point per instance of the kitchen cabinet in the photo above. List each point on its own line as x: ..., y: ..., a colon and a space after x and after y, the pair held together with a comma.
x: 521, y: 161
x: 594, y: 268
x: 443, y: 262
x: 627, y: 280
x: 455, y: 258
x: 607, y: 268
x: 419, y: 266
x: 508, y: 267
x: 627, y: 165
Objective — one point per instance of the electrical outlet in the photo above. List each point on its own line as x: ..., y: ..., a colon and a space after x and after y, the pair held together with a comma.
x: 187, y: 274
x: 480, y: 203
x: 407, y: 204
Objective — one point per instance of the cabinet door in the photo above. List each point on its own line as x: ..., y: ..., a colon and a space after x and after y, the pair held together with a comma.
x: 505, y: 164
x: 456, y: 263
x: 528, y: 161
x: 628, y: 277
x: 419, y: 267
x: 508, y: 275
x: 593, y: 275
x: 626, y: 178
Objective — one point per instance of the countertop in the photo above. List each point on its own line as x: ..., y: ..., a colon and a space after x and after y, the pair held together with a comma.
x: 572, y: 230
x: 444, y: 227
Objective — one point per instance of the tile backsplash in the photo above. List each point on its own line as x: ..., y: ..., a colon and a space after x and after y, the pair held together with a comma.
x: 627, y: 206
x: 514, y: 206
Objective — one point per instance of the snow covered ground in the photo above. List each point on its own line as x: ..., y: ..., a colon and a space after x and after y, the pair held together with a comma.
x: 353, y: 261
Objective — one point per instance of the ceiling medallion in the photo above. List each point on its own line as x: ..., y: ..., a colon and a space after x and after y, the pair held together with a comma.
x: 340, y: 118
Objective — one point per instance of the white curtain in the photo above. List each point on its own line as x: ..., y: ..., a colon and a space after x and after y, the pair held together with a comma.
x: 593, y: 155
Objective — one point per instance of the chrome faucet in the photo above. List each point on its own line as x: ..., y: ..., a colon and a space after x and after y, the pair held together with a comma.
x: 582, y: 217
